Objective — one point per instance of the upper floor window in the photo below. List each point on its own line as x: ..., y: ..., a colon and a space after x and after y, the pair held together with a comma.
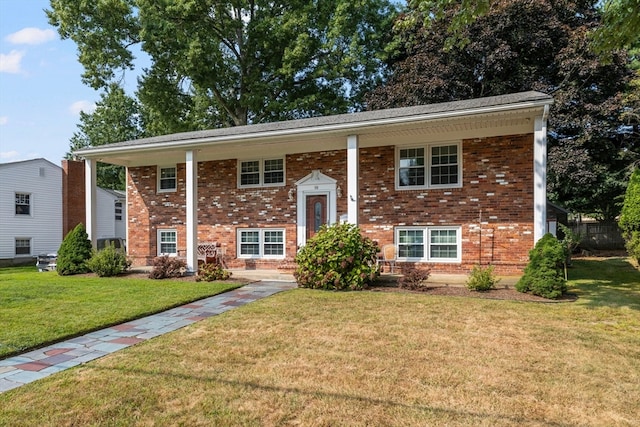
x: 167, y: 178
x: 429, y: 166
x: 23, y: 204
x: 118, y: 209
x: 261, y: 173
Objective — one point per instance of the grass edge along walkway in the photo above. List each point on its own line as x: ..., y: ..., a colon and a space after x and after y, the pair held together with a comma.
x: 34, y: 365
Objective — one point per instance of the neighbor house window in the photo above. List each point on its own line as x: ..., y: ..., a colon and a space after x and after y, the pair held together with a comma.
x: 261, y: 243
x: 23, y: 204
x: 23, y: 247
x: 429, y: 166
x: 167, y: 180
x: 118, y: 207
x: 261, y: 173
x: 167, y: 242
x: 434, y: 244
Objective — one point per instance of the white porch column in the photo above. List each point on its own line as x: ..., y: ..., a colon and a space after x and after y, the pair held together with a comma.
x: 90, y: 199
x: 352, y: 179
x: 192, y: 210
x: 540, y: 175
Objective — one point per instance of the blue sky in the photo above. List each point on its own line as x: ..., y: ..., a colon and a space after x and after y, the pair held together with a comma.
x: 41, y: 93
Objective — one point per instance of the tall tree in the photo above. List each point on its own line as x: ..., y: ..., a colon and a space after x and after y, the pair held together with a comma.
x: 224, y: 63
x: 116, y: 118
x: 519, y: 45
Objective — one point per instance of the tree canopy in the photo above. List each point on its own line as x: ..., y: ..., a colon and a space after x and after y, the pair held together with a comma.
x: 217, y: 63
x: 518, y: 45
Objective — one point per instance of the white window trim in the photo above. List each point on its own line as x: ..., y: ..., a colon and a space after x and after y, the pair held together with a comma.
x: 159, y: 176
x: 159, y: 242
x: 30, y: 214
x: 427, y: 241
x: 261, y: 243
x: 261, y: 162
x: 427, y: 149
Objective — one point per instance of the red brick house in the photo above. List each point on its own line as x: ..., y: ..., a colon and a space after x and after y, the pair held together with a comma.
x: 451, y: 184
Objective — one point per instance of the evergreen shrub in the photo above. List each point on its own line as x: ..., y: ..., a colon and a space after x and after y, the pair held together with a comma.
x: 108, y: 262
x: 544, y: 274
x: 338, y: 257
x: 74, y: 252
x: 630, y: 216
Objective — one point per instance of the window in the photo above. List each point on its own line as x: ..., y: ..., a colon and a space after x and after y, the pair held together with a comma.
x: 118, y: 211
x: 261, y: 173
x: 23, y: 204
x: 167, y: 180
x: 23, y: 247
x: 261, y: 243
x: 167, y: 242
x: 434, y: 244
x: 430, y: 166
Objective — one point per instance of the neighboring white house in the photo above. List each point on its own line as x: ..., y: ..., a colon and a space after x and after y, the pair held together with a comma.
x: 30, y: 209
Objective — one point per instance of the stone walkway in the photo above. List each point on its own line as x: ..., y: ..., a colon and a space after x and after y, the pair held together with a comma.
x: 34, y: 365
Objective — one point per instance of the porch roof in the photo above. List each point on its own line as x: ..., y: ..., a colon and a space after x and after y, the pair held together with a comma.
x: 479, y: 117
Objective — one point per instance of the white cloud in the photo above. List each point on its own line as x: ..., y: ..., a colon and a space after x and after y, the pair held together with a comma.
x: 9, y: 155
x: 86, y: 106
x: 10, y: 63
x: 4, y: 120
x: 31, y: 35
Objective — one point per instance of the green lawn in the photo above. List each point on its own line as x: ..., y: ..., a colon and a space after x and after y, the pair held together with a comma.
x: 316, y: 358
x: 39, y: 308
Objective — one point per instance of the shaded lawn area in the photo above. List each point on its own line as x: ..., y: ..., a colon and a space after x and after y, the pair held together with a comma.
x: 318, y: 358
x: 40, y: 308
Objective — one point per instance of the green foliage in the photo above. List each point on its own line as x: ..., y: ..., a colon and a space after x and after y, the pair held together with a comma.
x: 413, y: 278
x: 482, y: 279
x: 74, y: 252
x: 223, y: 63
x: 211, y: 272
x: 108, y: 262
x: 338, y: 257
x: 544, y: 274
x: 630, y: 217
x: 165, y: 267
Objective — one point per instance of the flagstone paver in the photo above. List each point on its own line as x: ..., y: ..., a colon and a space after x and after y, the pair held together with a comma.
x: 34, y: 365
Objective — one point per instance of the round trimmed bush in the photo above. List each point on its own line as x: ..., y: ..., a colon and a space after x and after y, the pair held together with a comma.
x: 337, y: 258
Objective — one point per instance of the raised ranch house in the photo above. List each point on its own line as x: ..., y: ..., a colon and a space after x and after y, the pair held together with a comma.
x: 451, y: 185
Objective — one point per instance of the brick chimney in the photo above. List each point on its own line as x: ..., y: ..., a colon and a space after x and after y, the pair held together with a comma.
x: 73, y: 203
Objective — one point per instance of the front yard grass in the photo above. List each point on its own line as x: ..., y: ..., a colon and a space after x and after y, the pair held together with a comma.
x: 316, y: 358
x: 40, y: 308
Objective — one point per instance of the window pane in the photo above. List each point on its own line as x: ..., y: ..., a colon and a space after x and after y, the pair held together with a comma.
x: 444, y: 165
x: 411, y: 167
x: 249, y: 236
x: 168, y: 242
x: 23, y: 204
x: 411, y: 243
x: 444, y: 244
x: 274, y: 243
x: 23, y: 246
x: 167, y: 178
x: 274, y: 171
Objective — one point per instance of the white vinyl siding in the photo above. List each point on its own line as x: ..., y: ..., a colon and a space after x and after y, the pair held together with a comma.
x: 429, y: 244
x: 429, y: 166
x: 261, y: 243
x: 42, y: 181
x: 261, y: 173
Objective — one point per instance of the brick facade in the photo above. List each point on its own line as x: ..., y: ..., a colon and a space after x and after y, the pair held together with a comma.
x: 494, y: 206
x: 73, y: 195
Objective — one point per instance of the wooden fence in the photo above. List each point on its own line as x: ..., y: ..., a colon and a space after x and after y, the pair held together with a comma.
x: 599, y: 235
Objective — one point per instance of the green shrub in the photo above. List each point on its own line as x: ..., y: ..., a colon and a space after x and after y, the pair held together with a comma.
x: 166, y: 267
x: 74, y: 252
x: 108, y: 262
x: 630, y: 216
x: 413, y: 278
x: 212, y: 271
x: 482, y: 279
x: 544, y: 274
x: 337, y: 258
